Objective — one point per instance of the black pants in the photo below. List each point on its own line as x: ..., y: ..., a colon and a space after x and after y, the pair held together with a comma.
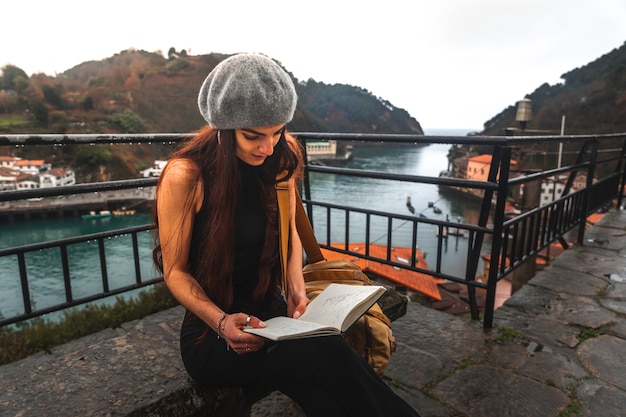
x: 324, y: 375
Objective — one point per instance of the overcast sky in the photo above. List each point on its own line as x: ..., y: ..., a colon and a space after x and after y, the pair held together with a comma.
x: 449, y: 63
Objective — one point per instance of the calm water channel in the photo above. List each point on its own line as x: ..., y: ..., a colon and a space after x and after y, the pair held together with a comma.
x: 44, y: 269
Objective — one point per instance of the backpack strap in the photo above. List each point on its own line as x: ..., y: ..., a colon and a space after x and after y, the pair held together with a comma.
x: 282, y: 195
x: 307, y: 236
x: 305, y: 230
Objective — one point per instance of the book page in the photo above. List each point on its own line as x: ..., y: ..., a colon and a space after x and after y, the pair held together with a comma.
x: 333, y: 305
x: 331, y: 312
x: 286, y: 327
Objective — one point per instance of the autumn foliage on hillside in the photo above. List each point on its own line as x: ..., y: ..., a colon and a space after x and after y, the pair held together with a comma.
x: 142, y: 92
x: 102, y: 97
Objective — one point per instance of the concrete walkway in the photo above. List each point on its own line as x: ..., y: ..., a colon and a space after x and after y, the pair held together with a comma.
x: 557, y: 349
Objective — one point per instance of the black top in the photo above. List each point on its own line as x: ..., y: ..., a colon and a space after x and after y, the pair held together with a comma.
x: 250, y: 224
x: 250, y: 230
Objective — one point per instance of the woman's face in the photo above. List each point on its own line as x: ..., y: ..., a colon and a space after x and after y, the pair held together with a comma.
x: 254, y: 145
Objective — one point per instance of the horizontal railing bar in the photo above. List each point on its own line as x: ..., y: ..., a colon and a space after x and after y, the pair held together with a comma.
x: 79, y: 301
x: 76, y: 239
x: 455, y: 140
x: 87, y: 139
x: 483, y: 185
x: 14, y: 195
x: 464, y: 226
x: 67, y: 139
x: 529, y: 177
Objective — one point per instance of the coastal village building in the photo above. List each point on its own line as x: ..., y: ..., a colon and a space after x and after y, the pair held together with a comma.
x: 27, y: 182
x: 7, y: 161
x: 478, y: 170
x: 57, y: 177
x: 33, y: 167
x: 8, y: 178
x: 155, y: 170
x: 22, y: 174
x: 327, y: 148
x: 478, y: 167
x: 552, y: 188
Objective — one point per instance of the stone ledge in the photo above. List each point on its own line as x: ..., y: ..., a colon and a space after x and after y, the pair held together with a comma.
x: 132, y: 371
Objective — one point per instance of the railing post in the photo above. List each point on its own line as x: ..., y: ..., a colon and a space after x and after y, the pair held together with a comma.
x: 497, y: 238
x: 584, y: 207
x: 28, y: 308
x: 66, y: 274
x: 621, y: 167
x: 306, y: 180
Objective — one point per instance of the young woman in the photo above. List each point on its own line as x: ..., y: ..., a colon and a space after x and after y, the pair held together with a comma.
x: 217, y: 218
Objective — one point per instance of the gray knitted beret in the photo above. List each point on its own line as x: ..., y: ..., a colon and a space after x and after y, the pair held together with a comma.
x: 247, y: 90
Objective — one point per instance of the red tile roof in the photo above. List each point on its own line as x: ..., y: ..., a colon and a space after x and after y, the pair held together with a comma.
x: 415, y: 281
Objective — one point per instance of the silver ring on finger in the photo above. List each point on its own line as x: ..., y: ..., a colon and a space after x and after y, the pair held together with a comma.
x: 248, y: 320
x: 239, y: 337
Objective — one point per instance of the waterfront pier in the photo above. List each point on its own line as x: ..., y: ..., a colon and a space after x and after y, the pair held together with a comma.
x: 75, y: 205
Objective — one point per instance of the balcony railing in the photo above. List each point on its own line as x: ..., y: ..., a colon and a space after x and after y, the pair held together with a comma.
x: 513, y: 240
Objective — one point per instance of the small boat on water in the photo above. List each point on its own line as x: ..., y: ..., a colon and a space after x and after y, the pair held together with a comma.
x: 97, y: 215
x: 124, y: 212
x: 450, y: 232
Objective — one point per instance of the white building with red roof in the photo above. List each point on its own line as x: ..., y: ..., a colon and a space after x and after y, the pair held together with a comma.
x: 34, y: 167
x: 57, y: 177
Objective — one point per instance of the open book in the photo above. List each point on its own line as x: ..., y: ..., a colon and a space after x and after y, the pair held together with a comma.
x: 333, y: 311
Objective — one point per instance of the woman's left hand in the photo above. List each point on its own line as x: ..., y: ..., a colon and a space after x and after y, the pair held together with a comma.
x: 297, y: 304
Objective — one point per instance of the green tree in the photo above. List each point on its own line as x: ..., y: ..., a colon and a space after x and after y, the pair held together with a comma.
x: 9, y: 75
x: 21, y: 83
x: 88, y: 103
x: 52, y: 96
x: 40, y: 112
x: 128, y: 120
x: 177, y: 65
x: 91, y: 156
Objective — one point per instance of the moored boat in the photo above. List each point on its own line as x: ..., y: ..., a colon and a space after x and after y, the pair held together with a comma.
x: 97, y: 215
x: 124, y: 212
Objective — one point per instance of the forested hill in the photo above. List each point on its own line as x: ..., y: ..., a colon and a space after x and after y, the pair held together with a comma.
x: 142, y: 92
x: 592, y: 99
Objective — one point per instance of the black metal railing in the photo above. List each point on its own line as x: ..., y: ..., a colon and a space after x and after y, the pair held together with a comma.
x: 509, y: 241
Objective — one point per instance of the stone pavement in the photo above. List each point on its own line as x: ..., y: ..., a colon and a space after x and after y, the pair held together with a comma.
x: 557, y: 349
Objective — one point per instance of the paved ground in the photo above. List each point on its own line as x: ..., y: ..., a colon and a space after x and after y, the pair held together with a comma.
x: 557, y: 349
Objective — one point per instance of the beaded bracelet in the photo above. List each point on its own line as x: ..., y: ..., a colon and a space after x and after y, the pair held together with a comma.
x: 219, y: 323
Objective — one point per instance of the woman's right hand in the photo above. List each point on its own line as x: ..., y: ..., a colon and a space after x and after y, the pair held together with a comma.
x: 231, y: 329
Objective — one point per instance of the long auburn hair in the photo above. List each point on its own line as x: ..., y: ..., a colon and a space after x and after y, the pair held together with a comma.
x: 214, y: 154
